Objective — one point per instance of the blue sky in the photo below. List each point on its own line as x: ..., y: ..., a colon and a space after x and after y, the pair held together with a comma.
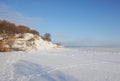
x: 72, y: 22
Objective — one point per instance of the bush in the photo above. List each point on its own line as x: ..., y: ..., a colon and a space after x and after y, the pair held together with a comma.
x: 34, y: 32
x: 47, y: 37
x: 5, y: 50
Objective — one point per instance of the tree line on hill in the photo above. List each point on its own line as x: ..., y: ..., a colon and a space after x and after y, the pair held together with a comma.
x: 11, y: 29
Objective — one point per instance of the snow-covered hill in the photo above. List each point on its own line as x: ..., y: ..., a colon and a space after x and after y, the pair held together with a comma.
x: 32, y: 42
x: 93, y: 64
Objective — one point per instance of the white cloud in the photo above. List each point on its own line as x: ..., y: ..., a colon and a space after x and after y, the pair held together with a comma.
x: 7, y: 13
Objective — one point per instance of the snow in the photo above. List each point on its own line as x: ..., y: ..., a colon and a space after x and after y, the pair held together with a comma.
x: 28, y: 36
x: 30, y: 42
x: 41, y: 44
x: 63, y: 64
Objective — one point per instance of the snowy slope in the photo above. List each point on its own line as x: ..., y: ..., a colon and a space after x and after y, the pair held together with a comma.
x: 84, y: 64
x: 30, y: 42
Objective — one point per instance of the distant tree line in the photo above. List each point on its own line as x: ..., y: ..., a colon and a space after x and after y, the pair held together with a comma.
x: 11, y: 29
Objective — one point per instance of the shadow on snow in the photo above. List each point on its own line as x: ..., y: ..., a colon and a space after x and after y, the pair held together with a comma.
x: 28, y: 71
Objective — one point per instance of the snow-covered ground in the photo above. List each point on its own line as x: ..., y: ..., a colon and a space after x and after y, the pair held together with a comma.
x: 80, y: 64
